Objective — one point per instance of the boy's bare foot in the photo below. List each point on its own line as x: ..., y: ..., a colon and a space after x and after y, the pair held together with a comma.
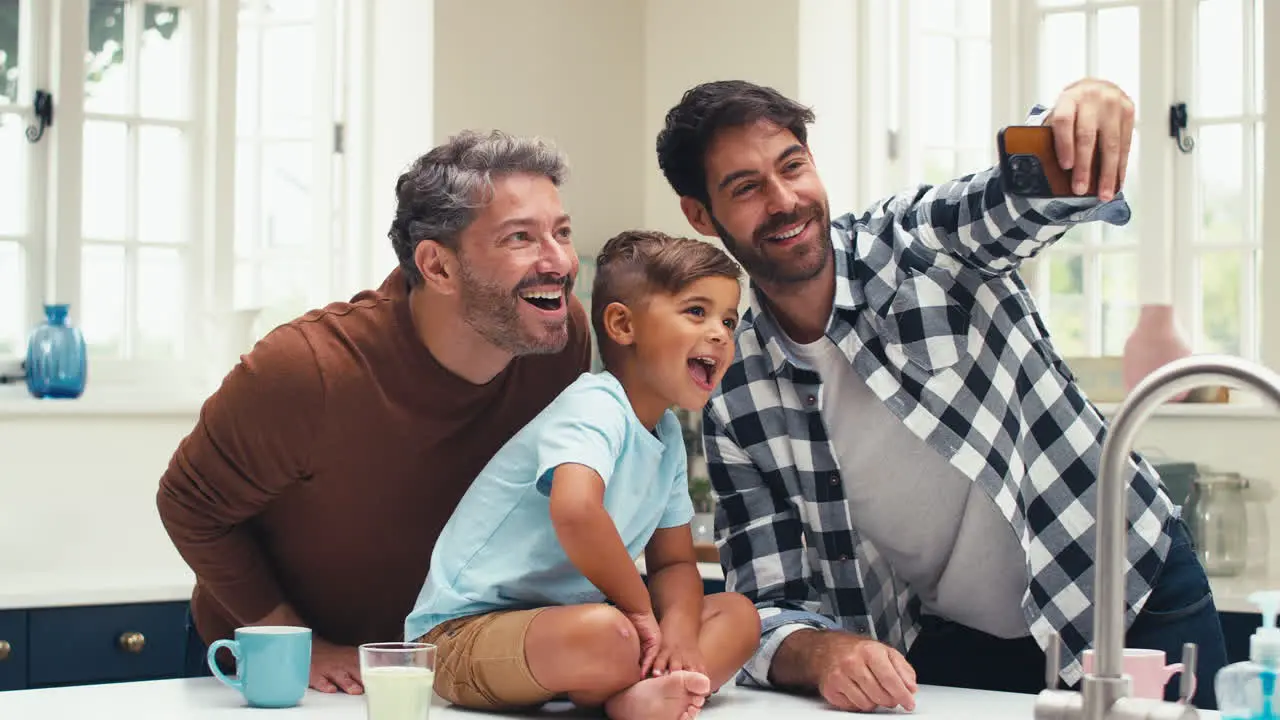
x: 675, y: 696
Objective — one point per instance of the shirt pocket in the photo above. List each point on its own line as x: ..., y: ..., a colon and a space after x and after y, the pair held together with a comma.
x: 924, y: 325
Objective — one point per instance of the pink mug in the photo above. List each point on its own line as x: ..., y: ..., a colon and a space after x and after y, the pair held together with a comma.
x: 1147, y: 671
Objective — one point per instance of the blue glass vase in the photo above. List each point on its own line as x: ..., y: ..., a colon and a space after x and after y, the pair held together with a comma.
x: 56, y: 362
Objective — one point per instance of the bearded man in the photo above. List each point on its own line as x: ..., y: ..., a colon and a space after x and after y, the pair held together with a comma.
x: 319, y: 475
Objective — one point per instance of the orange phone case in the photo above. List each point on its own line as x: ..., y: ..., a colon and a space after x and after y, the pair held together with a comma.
x: 1029, y: 164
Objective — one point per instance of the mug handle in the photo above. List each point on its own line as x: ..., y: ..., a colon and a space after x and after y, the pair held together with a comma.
x: 1174, y: 669
x: 236, y: 682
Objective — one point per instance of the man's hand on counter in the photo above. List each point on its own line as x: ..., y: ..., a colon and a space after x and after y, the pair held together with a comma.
x: 335, y: 667
x: 848, y: 671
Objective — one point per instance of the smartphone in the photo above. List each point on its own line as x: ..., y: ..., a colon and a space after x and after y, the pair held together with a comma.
x: 1029, y: 164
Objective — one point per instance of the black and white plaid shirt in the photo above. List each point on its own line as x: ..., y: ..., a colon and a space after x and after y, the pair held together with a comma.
x: 930, y: 311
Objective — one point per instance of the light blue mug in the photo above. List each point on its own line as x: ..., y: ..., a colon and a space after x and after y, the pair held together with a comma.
x: 273, y: 664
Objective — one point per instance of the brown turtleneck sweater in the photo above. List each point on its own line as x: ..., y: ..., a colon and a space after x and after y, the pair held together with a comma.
x: 323, y: 469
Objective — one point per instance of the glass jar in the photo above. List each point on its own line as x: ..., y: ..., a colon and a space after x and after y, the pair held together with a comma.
x: 1218, y: 518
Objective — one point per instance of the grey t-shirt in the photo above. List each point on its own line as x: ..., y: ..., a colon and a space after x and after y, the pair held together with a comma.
x: 938, y: 530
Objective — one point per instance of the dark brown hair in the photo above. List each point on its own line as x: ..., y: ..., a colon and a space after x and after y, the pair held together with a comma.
x: 703, y: 111
x: 634, y: 264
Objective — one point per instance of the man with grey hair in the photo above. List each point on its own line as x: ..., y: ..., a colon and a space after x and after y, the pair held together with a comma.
x: 319, y: 475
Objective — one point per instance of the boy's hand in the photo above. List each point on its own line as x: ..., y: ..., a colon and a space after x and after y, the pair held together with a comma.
x: 679, y: 652
x: 650, y: 635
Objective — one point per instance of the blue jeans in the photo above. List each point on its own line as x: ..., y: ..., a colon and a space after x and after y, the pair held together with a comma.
x: 1179, y: 610
x: 194, y: 663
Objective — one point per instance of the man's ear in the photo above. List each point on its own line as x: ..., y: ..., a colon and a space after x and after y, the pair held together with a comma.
x: 438, y: 265
x: 698, y: 216
x: 619, y: 324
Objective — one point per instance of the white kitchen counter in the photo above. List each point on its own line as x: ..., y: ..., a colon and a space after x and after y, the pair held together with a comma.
x: 205, y: 698
x: 41, y: 590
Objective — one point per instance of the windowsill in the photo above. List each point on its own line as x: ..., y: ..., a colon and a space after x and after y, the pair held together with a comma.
x: 15, y: 401
x: 1241, y: 408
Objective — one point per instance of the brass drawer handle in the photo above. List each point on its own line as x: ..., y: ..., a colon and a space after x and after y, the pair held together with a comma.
x: 5, y: 649
x: 132, y: 642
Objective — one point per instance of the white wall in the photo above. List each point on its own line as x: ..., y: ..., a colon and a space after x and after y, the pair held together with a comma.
x: 77, y: 499
x: 569, y: 71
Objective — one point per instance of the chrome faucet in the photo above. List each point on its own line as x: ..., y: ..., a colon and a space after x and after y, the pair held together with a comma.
x: 1105, y: 692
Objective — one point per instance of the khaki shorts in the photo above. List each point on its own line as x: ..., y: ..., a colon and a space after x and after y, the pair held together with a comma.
x: 480, y: 661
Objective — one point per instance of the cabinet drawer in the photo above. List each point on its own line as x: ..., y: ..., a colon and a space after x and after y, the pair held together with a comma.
x: 106, y: 643
x: 13, y: 635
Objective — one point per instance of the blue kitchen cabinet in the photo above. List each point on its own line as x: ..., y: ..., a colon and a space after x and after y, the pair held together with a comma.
x: 48, y: 647
x: 13, y: 649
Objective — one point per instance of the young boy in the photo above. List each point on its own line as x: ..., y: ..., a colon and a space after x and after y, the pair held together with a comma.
x: 515, y: 600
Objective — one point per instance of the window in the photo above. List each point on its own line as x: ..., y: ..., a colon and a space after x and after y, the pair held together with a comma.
x: 19, y: 192
x: 139, y: 171
x: 1194, y: 240
x: 1219, y: 253
x: 288, y: 227
x: 946, y: 129
x: 99, y: 210
x: 118, y: 208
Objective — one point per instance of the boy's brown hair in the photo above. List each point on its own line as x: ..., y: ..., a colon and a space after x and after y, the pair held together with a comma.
x: 637, y: 263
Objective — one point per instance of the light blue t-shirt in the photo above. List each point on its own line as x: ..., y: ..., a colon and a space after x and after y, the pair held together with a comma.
x: 499, y: 549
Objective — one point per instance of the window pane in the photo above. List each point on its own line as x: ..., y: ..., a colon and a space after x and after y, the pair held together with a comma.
x: 972, y: 161
x: 1259, y: 49
x: 934, y: 82
x: 163, y: 69
x: 1220, y: 279
x: 940, y: 166
x: 105, y: 195
x: 286, y: 194
x: 1130, y: 232
x: 245, y: 290
x: 283, y: 293
x: 248, y: 198
x: 248, y: 76
x: 935, y: 14
x: 1219, y: 153
x: 975, y: 17
x: 1062, y: 53
x: 1219, y: 67
x: 163, y: 188
x: 1119, y: 300
x: 1259, y: 152
x: 1117, y: 48
x: 10, y: 51
x: 288, y: 9
x: 1067, y: 305
x: 102, y: 298
x: 288, y: 73
x: 160, y: 303
x: 975, y: 128
x: 13, y: 300
x: 13, y: 175
x: 106, y: 83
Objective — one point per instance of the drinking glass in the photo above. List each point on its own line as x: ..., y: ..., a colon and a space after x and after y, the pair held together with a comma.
x: 397, y: 678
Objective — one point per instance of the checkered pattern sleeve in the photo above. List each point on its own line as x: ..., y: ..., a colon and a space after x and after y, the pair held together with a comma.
x: 973, y: 221
x: 759, y: 535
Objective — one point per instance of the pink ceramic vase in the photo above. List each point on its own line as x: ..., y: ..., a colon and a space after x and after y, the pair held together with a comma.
x: 1155, y: 341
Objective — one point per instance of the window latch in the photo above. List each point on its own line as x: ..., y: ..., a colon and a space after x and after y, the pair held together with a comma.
x: 1178, y: 126
x: 43, y: 106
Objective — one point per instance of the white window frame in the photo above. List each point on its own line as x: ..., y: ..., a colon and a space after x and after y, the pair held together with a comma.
x: 327, y: 246
x: 54, y: 34
x: 1186, y: 247
x: 58, y: 275
x: 34, y: 30
x: 1167, y: 245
